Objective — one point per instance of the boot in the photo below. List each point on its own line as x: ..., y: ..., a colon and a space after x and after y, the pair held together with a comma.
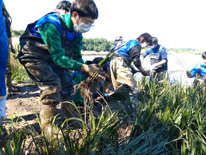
x: 46, y: 114
x: 70, y: 111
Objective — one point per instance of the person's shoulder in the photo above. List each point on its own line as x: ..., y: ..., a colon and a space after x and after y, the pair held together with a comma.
x: 162, y: 48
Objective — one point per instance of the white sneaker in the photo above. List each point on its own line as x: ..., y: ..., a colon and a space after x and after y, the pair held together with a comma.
x: 2, y: 107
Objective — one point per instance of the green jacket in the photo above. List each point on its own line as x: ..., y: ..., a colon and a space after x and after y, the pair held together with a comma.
x: 52, y: 39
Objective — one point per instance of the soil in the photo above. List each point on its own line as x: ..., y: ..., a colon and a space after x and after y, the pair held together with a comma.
x: 23, y: 107
x: 23, y: 103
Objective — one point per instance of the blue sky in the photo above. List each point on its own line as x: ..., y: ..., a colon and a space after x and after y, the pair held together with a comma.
x: 176, y: 23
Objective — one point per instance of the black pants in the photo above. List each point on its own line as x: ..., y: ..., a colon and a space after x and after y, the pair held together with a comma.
x: 55, y: 82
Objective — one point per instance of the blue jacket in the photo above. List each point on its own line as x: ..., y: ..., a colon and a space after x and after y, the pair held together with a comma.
x: 200, y: 68
x: 3, y: 52
x: 123, y: 51
x: 51, y: 18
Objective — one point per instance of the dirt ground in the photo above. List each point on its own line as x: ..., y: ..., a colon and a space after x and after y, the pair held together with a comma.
x: 23, y: 105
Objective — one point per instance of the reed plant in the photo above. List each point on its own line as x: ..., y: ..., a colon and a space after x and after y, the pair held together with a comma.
x: 166, y: 119
x: 18, y: 72
x: 163, y: 119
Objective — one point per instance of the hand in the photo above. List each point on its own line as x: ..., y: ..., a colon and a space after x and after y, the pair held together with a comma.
x: 95, y: 71
x: 152, y: 68
x: 13, y: 50
x: 146, y: 73
x: 188, y: 74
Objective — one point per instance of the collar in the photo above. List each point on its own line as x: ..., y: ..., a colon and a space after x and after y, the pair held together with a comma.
x: 69, y: 24
x: 57, y: 11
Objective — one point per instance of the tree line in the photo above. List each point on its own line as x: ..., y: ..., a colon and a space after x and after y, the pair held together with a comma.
x: 97, y: 44
x: 102, y: 44
x: 91, y: 44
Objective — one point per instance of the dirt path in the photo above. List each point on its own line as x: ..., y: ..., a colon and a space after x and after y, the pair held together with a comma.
x: 24, y: 103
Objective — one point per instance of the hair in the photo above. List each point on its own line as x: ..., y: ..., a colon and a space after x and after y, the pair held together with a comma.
x: 154, y: 41
x: 145, y: 37
x: 88, y: 62
x: 204, y: 55
x: 97, y: 60
x: 118, y: 38
x: 64, y: 4
x: 85, y: 8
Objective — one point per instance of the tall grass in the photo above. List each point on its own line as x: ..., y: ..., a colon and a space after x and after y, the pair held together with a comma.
x: 163, y: 119
x: 18, y: 72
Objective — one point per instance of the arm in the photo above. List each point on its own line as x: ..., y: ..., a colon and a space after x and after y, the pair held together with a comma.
x: 163, y: 61
x: 160, y: 63
x: 77, y: 50
x: 144, y: 55
x: 52, y: 39
x: 134, y: 52
x: 194, y: 71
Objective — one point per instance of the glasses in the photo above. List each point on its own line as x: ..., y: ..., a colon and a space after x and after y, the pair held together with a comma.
x: 87, y: 21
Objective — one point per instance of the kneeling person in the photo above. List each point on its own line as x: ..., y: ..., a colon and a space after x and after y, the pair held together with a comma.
x: 120, y: 66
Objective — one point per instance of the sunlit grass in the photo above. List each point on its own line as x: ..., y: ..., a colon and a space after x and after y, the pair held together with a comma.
x: 163, y: 119
x: 18, y: 72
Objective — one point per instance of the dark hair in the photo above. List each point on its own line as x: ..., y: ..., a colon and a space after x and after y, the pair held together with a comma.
x: 85, y: 8
x: 88, y: 62
x: 145, y: 37
x: 64, y: 5
x: 97, y: 60
x: 154, y: 40
x: 204, y: 55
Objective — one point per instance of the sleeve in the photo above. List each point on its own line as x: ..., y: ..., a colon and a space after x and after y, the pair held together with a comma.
x: 134, y: 53
x: 52, y: 39
x: 163, y: 53
x: 77, y: 49
x: 195, y: 70
x: 146, y: 53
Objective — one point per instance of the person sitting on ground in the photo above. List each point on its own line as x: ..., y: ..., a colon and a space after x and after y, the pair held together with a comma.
x: 50, y: 47
x: 120, y: 65
x: 158, y: 60
x: 199, y: 71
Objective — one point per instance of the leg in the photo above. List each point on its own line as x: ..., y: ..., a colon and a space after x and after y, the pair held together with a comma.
x: 67, y: 90
x: 121, y: 76
x: 8, y: 75
x: 49, y: 84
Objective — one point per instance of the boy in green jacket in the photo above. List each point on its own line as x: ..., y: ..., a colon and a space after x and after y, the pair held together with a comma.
x: 50, y: 47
